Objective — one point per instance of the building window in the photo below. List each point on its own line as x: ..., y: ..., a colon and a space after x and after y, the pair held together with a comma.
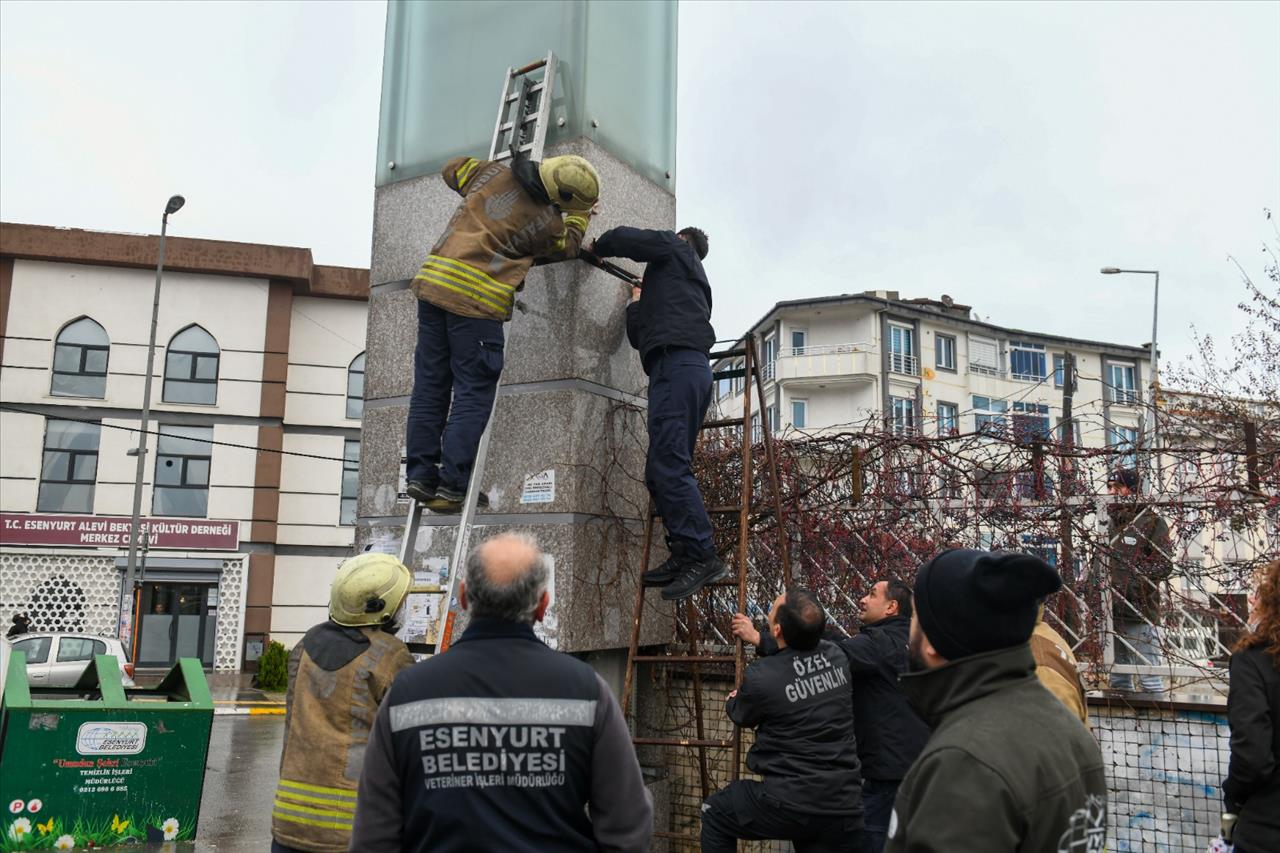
x: 799, y: 413
x: 770, y: 358
x: 902, y: 419
x: 350, y: 480
x: 739, y: 382
x: 1120, y: 384
x: 989, y: 415
x: 183, y: 455
x: 984, y: 356
x: 1075, y: 432
x: 948, y: 419
x: 944, y: 352
x: 191, y: 367
x: 1059, y: 370
x: 771, y: 412
x: 80, y: 355
x: 1123, y: 441
x: 1030, y: 421
x: 902, y: 350
x: 1026, y: 361
x: 799, y: 340
x: 70, y: 466
x: 355, y: 387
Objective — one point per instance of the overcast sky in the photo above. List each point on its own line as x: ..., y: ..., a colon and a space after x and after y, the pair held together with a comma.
x: 1000, y: 153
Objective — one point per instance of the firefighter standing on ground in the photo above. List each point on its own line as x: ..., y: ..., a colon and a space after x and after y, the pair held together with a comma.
x: 510, y: 215
x: 338, y: 674
x: 669, y: 322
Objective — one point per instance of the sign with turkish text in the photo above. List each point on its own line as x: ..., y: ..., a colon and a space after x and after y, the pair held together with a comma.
x: 96, y: 531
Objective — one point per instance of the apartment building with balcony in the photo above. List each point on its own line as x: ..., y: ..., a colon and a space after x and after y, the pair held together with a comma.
x: 929, y: 366
x: 250, y: 478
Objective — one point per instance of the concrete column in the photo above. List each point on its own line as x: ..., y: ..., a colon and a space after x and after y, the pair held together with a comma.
x: 571, y: 402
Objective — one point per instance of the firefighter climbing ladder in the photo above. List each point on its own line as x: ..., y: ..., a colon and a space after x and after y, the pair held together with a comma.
x: 747, y: 514
x: 524, y: 107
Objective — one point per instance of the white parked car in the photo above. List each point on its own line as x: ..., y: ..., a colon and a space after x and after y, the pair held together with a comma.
x: 58, y: 660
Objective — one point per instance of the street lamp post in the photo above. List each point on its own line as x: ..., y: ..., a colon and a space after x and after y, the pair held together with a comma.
x: 1155, y: 375
x: 174, y: 204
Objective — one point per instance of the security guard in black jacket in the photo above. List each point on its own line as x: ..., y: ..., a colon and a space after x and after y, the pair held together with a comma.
x: 889, y: 732
x: 669, y: 322
x: 798, y: 702
x: 501, y: 744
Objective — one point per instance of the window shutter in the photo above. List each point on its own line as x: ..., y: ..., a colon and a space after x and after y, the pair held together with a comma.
x: 984, y: 352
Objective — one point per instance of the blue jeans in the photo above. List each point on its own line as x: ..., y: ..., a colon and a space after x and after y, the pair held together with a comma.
x: 877, y: 805
x: 1146, y: 642
x: 679, y: 392
x: 458, y: 357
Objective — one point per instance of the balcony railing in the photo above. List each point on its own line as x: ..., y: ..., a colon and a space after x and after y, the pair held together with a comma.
x: 903, y: 363
x: 986, y: 370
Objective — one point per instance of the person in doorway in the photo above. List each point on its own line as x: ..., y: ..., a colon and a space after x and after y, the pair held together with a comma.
x: 502, y: 744
x: 511, y: 214
x: 1251, y: 790
x: 797, y: 700
x: 1140, y: 558
x: 1007, y: 766
x: 21, y: 625
x: 338, y: 675
x: 669, y: 323
x: 888, y: 731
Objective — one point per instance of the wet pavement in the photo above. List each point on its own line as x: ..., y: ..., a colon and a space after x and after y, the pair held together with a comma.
x: 239, y: 784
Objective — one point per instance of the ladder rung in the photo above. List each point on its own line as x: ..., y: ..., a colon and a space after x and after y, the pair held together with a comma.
x: 515, y: 96
x: 726, y: 508
x: 725, y: 582
x: 506, y: 128
x: 729, y: 353
x: 729, y: 374
x: 685, y: 658
x: 722, y: 423
x: 679, y: 741
x: 676, y: 836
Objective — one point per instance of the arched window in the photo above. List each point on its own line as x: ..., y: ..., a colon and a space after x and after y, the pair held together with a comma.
x: 355, y: 387
x: 191, y: 367
x: 80, y: 360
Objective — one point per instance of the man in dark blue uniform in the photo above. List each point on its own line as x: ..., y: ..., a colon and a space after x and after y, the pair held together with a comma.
x: 797, y: 699
x: 669, y: 323
x: 890, y: 734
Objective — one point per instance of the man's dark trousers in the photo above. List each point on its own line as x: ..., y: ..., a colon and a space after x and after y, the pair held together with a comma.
x: 458, y: 356
x: 743, y: 810
x: 877, y: 805
x: 679, y: 392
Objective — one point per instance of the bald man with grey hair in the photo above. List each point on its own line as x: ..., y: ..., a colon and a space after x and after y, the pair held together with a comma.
x: 502, y: 743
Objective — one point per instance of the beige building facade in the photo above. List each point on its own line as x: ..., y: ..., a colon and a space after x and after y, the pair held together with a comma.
x: 257, y: 398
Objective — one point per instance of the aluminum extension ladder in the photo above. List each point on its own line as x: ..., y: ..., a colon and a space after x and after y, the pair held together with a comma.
x: 524, y: 109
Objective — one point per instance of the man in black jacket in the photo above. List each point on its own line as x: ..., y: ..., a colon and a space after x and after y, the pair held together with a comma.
x: 889, y: 733
x: 501, y: 744
x: 669, y: 322
x: 798, y: 702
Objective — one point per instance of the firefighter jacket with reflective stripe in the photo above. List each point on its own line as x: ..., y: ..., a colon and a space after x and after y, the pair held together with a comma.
x: 337, y: 678
x: 501, y: 744
x: 496, y: 233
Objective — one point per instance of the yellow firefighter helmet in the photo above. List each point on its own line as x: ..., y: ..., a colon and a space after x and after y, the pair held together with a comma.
x: 571, y: 182
x: 368, y: 590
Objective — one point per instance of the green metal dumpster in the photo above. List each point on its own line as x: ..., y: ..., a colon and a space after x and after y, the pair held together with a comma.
x: 93, y: 766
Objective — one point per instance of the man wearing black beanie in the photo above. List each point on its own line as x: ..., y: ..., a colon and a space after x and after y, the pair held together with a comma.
x: 1007, y: 766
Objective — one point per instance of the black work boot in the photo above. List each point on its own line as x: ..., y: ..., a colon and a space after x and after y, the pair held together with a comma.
x: 420, y: 491
x: 694, y: 575
x: 448, y: 500
x: 668, y: 570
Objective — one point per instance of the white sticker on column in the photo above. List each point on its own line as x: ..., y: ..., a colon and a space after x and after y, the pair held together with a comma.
x: 539, y: 488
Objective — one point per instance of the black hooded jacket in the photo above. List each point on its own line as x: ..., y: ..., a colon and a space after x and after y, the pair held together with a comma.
x: 890, y: 733
x: 798, y: 703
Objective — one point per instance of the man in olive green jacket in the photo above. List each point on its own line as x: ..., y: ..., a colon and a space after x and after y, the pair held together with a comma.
x: 1007, y: 768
